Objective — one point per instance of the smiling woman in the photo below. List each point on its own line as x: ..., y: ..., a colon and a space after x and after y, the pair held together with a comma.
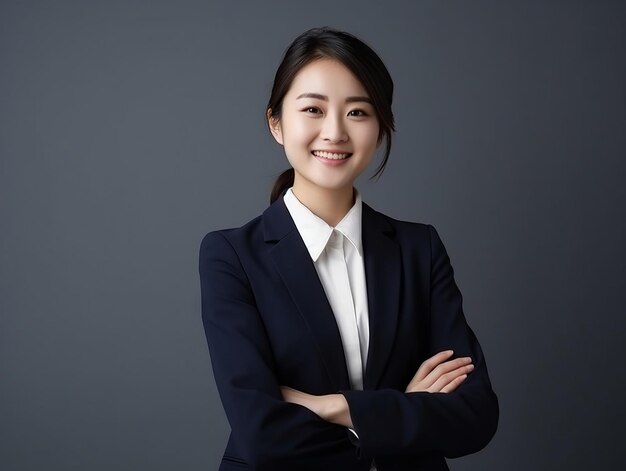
x: 337, y: 333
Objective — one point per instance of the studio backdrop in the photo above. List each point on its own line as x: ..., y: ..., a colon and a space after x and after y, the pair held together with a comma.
x: 128, y: 130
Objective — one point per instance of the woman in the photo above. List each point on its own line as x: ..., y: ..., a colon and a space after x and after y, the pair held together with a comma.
x: 336, y: 333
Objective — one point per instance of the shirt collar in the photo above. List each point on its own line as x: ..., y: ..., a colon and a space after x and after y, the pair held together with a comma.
x: 315, y: 232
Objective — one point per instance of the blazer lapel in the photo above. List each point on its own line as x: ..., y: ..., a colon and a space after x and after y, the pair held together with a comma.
x: 383, y: 265
x: 382, y: 272
x: 297, y: 271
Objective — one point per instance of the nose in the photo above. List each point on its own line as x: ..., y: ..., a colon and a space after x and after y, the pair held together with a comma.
x: 333, y: 129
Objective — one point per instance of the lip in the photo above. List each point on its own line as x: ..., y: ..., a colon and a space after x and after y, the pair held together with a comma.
x: 332, y: 151
x: 332, y: 162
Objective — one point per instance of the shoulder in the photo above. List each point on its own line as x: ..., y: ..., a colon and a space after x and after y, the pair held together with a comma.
x: 250, y: 232
x: 408, y: 233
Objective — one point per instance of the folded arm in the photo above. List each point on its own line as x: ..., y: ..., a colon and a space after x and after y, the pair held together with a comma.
x: 457, y: 423
x: 271, y: 433
x: 441, y: 410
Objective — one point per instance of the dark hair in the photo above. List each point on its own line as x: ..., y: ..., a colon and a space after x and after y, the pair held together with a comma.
x: 359, y: 58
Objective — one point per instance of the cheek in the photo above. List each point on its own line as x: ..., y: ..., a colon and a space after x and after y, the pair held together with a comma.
x: 300, y: 129
x: 368, y: 136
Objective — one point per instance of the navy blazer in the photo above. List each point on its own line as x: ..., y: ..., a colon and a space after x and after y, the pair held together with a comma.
x: 268, y: 323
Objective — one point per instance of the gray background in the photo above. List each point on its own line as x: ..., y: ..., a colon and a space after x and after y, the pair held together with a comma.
x: 130, y: 129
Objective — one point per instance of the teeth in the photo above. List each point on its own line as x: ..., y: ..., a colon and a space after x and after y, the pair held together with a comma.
x: 330, y: 155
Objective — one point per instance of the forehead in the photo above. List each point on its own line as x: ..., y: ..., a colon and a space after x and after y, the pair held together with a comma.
x: 328, y: 77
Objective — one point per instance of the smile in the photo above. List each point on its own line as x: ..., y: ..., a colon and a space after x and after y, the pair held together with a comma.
x: 330, y: 155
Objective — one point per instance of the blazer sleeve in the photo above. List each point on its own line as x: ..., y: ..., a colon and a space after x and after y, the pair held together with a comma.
x: 270, y: 433
x: 390, y: 422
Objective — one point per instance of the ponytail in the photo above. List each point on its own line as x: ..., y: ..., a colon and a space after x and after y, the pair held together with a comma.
x: 282, y: 184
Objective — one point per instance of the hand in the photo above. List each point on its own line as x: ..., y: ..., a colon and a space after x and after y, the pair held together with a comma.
x: 330, y: 407
x: 438, y: 375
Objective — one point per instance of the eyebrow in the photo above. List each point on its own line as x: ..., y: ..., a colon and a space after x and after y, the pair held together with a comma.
x: 350, y: 99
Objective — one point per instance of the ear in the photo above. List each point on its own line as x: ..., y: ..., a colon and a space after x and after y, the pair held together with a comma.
x: 275, y: 129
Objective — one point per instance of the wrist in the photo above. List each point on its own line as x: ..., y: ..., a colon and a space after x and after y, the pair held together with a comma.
x: 337, y: 410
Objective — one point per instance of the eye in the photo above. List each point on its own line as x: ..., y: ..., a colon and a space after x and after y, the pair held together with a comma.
x: 312, y: 109
x: 358, y: 113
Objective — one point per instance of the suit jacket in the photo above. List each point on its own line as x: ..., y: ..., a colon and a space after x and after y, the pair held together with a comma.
x: 268, y: 323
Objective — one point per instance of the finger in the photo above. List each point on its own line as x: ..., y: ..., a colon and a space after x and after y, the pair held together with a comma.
x: 453, y: 384
x: 451, y: 365
x: 428, y: 365
x: 426, y: 368
x: 447, y: 378
x: 445, y: 368
x: 424, y: 378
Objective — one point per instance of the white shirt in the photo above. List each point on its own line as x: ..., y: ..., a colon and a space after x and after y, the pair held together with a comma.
x: 336, y: 251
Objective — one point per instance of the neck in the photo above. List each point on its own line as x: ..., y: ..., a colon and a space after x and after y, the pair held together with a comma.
x: 331, y: 205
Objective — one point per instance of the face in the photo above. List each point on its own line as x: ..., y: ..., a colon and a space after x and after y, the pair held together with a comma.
x: 328, y: 127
